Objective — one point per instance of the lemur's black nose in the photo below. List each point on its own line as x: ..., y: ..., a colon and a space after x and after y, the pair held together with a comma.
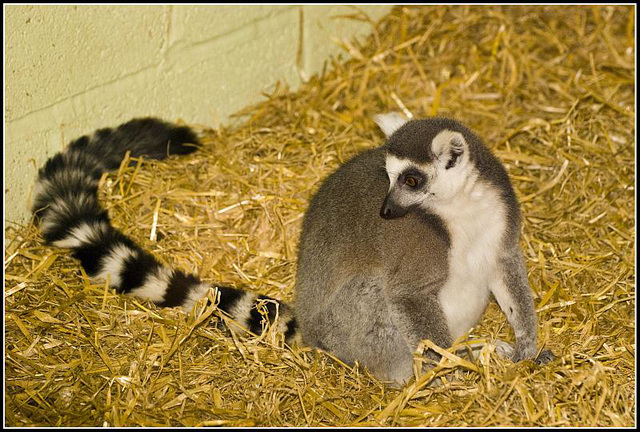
x: 391, y: 210
x: 385, y: 212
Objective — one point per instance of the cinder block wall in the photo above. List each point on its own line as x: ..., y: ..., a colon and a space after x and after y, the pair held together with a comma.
x: 72, y: 69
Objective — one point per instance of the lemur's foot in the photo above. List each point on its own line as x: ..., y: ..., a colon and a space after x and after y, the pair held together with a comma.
x: 546, y: 356
x: 506, y: 350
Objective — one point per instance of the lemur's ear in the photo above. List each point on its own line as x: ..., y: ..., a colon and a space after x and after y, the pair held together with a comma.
x: 451, y: 148
x: 390, y: 122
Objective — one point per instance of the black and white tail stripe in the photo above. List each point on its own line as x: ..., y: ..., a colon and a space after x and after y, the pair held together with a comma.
x: 70, y: 216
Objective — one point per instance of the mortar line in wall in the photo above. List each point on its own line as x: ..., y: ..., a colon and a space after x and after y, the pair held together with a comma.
x: 235, y: 30
x: 167, y: 41
x: 79, y: 94
x: 302, y: 46
x: 183, y: 53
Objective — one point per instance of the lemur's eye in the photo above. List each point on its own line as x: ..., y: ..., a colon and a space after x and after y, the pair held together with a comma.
x: 411, y: 181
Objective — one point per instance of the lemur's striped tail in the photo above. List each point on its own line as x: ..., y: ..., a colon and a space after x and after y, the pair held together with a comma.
x: 70, y: 216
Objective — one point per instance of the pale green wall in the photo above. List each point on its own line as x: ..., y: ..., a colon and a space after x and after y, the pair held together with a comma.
x: 72, y: 69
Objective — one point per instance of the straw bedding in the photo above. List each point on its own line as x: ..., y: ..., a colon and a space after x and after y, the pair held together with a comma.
x: 551, y: 90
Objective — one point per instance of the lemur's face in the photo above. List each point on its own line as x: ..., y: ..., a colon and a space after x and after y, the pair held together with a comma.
x: 427, y: 164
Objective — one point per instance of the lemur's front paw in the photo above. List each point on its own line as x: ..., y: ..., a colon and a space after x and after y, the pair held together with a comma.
x: 524, y: 352
x: 504, y: 349
x: 519, y: 353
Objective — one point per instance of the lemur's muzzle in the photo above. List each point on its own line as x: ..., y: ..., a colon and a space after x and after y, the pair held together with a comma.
x: 391, y: 209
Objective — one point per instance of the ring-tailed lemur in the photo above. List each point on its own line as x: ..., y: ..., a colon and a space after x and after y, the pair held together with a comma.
x: 404, y: 242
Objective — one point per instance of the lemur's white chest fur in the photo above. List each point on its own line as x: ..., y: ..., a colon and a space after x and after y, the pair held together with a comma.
x: 476, y: 222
